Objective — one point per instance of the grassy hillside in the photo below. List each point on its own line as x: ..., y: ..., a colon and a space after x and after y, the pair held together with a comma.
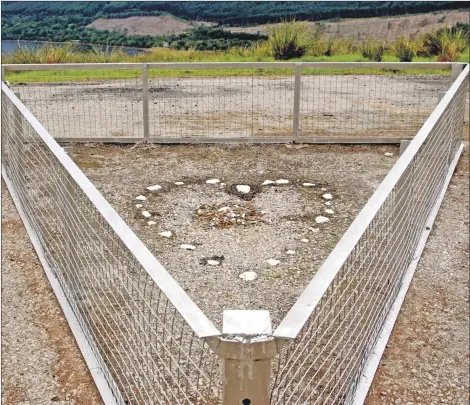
x: 77, y: 21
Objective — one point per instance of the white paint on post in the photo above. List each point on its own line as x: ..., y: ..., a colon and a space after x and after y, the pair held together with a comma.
x: 246, y: 350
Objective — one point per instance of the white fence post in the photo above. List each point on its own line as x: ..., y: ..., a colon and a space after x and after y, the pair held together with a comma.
x: 456, y: 70
x: 246, y: 350
x: 296, y: 111
x: 145, y: 101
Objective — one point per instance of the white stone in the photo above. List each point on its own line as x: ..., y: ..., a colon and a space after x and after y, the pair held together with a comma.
x: 166, y: 234
x: 213, y: 262
x: 138, y: 205
x: 156, y: 187
x: 329, y: 211
x: 321, y: 219
x: 248, y: 275
x: 323, y: 189
x: 212, y: 181
x: 328, y: 203
x: 151, y: 223
x: 187, y: 247
x: 179, y: 183
x: 290, y: 252
x: 282, y: 181
x: 141, y: 198
x: 244, y: 189
x: 273, y: 262
x: 267, y: 182
x: 327, y: 196
x: 146, y: 214
x: 308, y: 184
x: 314, y: 230
x: 304, y: 240
x: 223, y: 209
x: 388, y: 154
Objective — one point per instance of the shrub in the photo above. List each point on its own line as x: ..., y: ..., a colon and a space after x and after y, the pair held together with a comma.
x: 373, y: 50
x: 290, y: 39
x: 445, y: 44
x: 404, y: 49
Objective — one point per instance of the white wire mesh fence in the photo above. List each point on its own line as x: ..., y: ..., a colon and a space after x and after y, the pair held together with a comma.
x: 191, y: 102
x: 336, y: 321
x: 149, y: 351
x: 154, y: 345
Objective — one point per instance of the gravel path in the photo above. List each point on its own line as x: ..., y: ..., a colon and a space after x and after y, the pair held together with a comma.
x: 427, y: 360
x: 41, y: 364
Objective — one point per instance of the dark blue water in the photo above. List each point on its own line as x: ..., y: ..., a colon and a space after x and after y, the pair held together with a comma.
x: 10, y: 46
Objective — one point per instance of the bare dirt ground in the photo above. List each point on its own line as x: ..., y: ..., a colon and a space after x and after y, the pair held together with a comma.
x: 147, y: 25
x: 278, y: 218
x: 427, y: 359
x: 242, y: 106
x: 384, y: 28
x: 41, y: 363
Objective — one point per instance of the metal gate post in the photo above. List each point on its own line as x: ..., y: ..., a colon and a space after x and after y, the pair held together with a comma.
x: 246, y: 350
x: 145, y: 101
x: 296, y: 111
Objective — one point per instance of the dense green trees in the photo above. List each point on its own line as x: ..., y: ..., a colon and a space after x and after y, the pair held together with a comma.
x: 67, y: 21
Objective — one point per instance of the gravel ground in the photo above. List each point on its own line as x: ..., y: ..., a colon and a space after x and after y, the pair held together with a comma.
x: 427, y: 359
x: 41, y: 364
x: 242, y: 106
x: 284, y: 215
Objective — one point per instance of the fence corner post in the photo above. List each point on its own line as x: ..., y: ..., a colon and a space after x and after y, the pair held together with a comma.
x: 246, y: 349
x: 456, y: 70
x: 296, y: 110
x: 145, y: 101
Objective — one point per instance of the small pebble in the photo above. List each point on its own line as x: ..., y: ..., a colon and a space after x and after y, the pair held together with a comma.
x: 166, y: 234
x: 329, y: 211
x: 179, y: 183
x: 308, y: 184
x: 290, y: 252
x: 267, y: 182
x: 388, y: 154
x: 273, y: 262
x: 187, y: 247
x: 151, y: 223
x: 223, y: 209
x: 146, y: 214
x: 213, y: 262
x: 243, y: 189
x: 156, y: 187
x: 138, y: 205
x: 327, y: 203
x: 323, y: 189
x: 282, y: 181
x: 141, y: 198
x: 248, y: 275
x: 321, y: 219
x: 327, y: 196
x: 314, y: 230
x: 212, y: 181
x: 304, y: 240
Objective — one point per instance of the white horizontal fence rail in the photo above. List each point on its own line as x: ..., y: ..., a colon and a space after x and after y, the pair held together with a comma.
x: 337, y: 319
x: 150, y: 340
x: 221, y: 102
